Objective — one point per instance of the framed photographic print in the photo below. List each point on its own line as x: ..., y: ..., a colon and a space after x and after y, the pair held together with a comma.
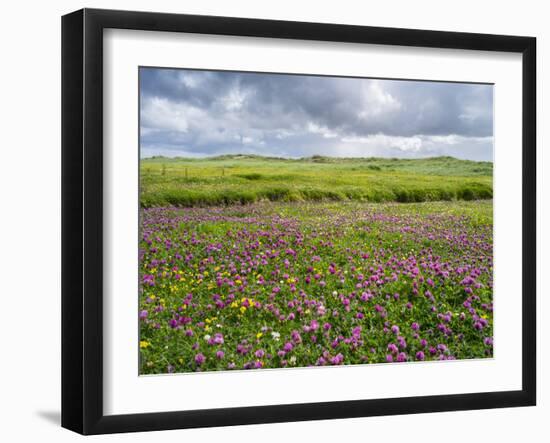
x: 269, y: 221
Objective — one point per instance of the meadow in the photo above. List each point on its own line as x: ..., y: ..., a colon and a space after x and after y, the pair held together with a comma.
x: 244, y: 179
x: 336, y: 267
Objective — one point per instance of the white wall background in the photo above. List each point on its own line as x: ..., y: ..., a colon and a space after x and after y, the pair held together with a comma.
x: 30, y: 218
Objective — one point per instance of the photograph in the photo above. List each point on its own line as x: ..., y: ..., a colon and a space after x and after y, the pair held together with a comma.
x: 294, y: 219
x: 300, y: 221
x: 239, y: 222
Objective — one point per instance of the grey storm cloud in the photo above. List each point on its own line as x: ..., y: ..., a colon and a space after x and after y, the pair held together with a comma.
x: 198, y: 113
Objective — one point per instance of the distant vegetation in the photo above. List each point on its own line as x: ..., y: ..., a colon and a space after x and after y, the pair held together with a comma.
x: 241, y: 179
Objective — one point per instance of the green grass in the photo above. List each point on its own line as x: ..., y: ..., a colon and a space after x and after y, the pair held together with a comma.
x: 242, y: 179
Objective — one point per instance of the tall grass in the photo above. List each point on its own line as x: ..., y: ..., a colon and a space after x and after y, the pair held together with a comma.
x: 247, y: 179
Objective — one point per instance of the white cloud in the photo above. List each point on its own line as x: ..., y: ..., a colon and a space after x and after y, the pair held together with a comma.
x: 160, y: 113
x: 321, y: 130
x: 378, y: 141
x: 234, y: 100
x: 380, y: 145
x: 191, y: 79
x: 282, y: 134
x: 454, y: 139
x: 376, y: 101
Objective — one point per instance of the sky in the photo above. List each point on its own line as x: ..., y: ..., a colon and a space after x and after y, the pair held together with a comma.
x: 198, y: 113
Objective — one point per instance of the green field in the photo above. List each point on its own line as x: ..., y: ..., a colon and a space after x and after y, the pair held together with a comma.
x: 242, y: 179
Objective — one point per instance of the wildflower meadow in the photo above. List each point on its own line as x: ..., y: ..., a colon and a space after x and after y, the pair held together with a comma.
x: 306, y: 278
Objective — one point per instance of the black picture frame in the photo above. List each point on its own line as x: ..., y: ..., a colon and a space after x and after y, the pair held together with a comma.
x: 82, y: 216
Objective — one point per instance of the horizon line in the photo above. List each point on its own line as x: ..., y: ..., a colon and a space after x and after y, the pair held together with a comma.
x: 310, y: 157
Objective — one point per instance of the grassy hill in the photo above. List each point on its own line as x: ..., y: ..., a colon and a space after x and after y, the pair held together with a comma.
x: 240, y: 179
